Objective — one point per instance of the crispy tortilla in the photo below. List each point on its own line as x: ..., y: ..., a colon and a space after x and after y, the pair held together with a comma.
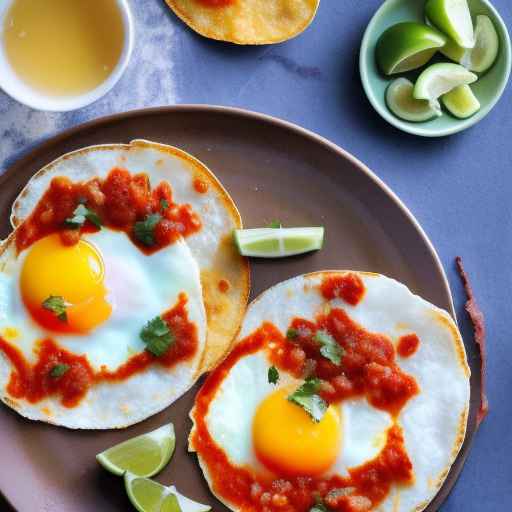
x: 211, y: 246
x: 247, y: 21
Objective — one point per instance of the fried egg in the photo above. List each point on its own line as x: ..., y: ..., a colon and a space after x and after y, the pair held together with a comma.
x: 112, y: 290
x: 370, y: 450
x: 224, y: 273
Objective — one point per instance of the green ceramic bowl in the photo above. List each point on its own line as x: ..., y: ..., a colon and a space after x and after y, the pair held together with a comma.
x: 488, y: 89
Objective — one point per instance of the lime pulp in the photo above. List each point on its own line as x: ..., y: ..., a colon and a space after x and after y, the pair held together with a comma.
x: 461, y: 102
x: 278, y: 243
x: 149, y: 496
x: 143, y: 455
x: 402, y: 103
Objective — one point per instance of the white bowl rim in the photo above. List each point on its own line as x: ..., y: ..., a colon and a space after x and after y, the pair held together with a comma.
x: 13, y: 86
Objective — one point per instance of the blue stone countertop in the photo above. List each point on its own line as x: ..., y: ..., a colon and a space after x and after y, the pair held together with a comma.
x: 458, y: 187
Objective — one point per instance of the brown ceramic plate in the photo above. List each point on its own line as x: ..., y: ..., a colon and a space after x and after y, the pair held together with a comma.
x: 273, y: 170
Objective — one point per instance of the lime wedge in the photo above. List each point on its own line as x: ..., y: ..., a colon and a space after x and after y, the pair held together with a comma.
x: 402, y: 103
x: 146, y: 495
x: 453, y: 18
x: 483, y: 55
x: 439, y: 79
x: 143, y: 456
x: 461, y: 102
x: 407, y: 46
x: 149, y: 496
x: 278, y: 243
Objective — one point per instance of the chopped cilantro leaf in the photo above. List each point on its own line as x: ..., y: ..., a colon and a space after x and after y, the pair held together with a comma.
x: 330, y: 348
x: 59, y: 370
x: 164, y: 204
x: 306, y: 397
x: 157, y: 336
x: 291, y: 334
x: 319, y: 507
x: 56, y: 304
x: 80, y: 215
x: 144, y: 230
x: 275, y: 224
x: 273, y: 375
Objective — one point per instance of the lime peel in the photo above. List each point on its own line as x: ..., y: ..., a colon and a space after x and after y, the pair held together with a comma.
x: 453, y: 18
x: 407, y: 46
x: 143, y: 456
x: 278, y: 242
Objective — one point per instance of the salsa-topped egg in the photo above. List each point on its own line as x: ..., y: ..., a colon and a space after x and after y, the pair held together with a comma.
x: 343, y: 390
x: 106, y: 281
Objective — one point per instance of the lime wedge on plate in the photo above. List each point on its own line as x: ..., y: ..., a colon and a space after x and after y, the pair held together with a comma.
x: 278, y: 243
x: 461, y: 102
x: 402, y: 103
x: 439, y: 79
x: 483, y: 55
x: 149, y: 496
x: 407, y: 46
x: 144, y: 455
x: 453, y: 18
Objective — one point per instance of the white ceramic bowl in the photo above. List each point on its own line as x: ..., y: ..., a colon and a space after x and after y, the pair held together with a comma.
x: 20, y: 91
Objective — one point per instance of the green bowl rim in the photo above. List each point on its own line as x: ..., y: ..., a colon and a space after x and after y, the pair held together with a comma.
x: 416, y: 128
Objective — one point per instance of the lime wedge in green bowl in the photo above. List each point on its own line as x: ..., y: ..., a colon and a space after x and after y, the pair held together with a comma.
x: 488, y: 89
x: 461, y: 102
x: 439, y: 79
x: 407, y: 46
x: 452, y: 17
x: 403, y: 104
x: 482, y: 56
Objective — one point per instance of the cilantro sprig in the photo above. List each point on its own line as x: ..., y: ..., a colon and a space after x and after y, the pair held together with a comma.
x: 292, y: 334
x: 144, y: 230
x: 330, y: 348
x: 164, y: 204
x: 275, y: 224
x: 157, y: 336
x: 273, y: 375
x: 57, y: 305
x: 59, y: 370
x: 306, y: 396
x: 80, y: 215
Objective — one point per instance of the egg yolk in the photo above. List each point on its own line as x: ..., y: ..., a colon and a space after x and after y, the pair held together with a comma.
x: 73, y: 273
x: 287, y: 440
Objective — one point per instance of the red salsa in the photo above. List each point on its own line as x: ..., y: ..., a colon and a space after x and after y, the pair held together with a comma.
x: 200, y: 186
x: 367, y: 368
x: 120, y: 201
x: 408, y: 345
x: 35, y: 382
x: 349, y: 287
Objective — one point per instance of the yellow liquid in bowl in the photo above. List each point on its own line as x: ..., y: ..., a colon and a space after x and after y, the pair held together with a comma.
x: 63, y: 47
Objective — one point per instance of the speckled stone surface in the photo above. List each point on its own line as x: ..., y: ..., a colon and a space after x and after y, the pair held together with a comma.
x: 458, y: 187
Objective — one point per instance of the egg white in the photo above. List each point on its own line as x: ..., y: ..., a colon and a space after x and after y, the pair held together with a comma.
x: 139, y: 287
x: 229, y: 419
